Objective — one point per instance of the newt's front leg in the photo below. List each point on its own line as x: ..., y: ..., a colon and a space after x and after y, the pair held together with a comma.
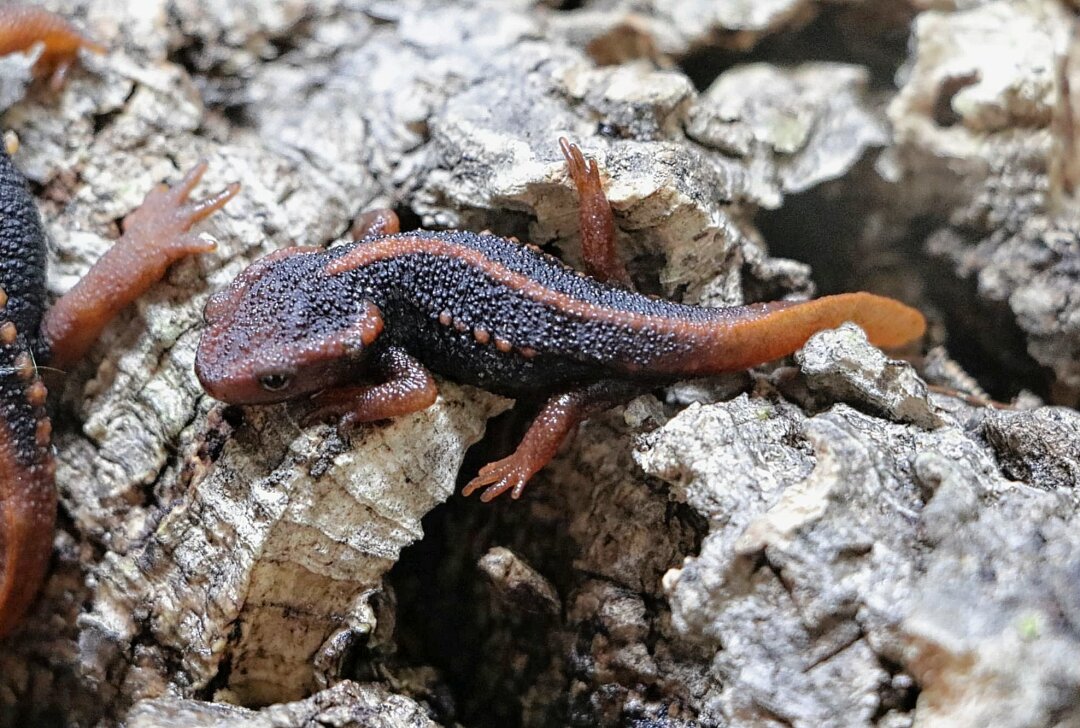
x: 155, y: 236
x: 408, y: 388
x: 557, y: 419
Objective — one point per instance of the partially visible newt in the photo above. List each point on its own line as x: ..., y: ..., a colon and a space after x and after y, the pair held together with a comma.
x: 33, y: 334
x: 360, y: 325
x: 24, y: 26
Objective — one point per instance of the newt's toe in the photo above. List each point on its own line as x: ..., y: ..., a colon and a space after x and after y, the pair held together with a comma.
x: 201, y: 209
x: 499, y: 477
x: 166, y: 215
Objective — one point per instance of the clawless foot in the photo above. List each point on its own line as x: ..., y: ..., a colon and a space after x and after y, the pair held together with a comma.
x: 557, y: 419
x: 156, y: 235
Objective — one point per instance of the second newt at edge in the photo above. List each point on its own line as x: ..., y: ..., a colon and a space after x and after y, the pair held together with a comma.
x: 360, y: 327
x: 34, y: 334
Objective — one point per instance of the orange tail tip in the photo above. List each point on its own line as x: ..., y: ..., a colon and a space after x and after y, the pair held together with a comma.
x: 788, y: 324
x: 888, y: 323
x: 762, y: 332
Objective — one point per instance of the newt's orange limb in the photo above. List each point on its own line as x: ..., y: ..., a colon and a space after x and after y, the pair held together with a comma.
x: 155, y: 236
x: 407, y: 387
x: 555, y: 421
x: 595, y: 219
x: 23, y: 26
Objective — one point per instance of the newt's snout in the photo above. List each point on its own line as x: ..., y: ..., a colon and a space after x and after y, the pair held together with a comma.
x: 282, y: 329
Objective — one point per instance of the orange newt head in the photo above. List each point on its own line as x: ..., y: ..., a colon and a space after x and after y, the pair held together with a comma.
x: 284, y: 329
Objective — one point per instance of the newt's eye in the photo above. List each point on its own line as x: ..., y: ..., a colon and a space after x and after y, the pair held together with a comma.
x: 275, y: 382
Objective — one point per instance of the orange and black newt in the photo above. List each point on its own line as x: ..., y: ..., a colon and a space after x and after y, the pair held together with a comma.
x: 359, y: 326
x: 33, y: 334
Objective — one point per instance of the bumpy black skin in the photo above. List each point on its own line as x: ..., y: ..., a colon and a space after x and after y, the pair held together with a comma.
x: 27, y: 493
x: 22, y: 277
x: 412, y: 290
x: 293, y: 298
x: 22, y: 250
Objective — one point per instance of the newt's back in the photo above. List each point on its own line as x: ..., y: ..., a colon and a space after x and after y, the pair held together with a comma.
x: 504, y: 316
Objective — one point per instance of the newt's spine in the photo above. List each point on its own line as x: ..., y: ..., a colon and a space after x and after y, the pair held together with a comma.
x: 27, y: 469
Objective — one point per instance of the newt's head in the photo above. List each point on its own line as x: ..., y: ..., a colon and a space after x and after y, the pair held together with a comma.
x: 284, y: 328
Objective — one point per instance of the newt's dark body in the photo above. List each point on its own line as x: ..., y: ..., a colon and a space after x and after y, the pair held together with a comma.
x: 490, y: 334
x: 525, y: 346
x: 491, y: 312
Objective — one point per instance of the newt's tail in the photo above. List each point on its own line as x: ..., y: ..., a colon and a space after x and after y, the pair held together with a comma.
x: 27, y: 515
x: 747, y: 336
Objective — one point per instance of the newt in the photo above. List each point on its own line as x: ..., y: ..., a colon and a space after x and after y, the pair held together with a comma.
x: 361, y: 327
x: 34, y: 334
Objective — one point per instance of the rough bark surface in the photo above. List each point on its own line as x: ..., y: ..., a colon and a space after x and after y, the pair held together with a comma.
x: 841, y: 540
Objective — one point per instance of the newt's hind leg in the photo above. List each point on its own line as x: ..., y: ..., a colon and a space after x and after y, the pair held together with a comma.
x: 595, y: 219
x: 408, y: 388
x: 24, y: 26
x: 155, y: 236
x: 557, y: 419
